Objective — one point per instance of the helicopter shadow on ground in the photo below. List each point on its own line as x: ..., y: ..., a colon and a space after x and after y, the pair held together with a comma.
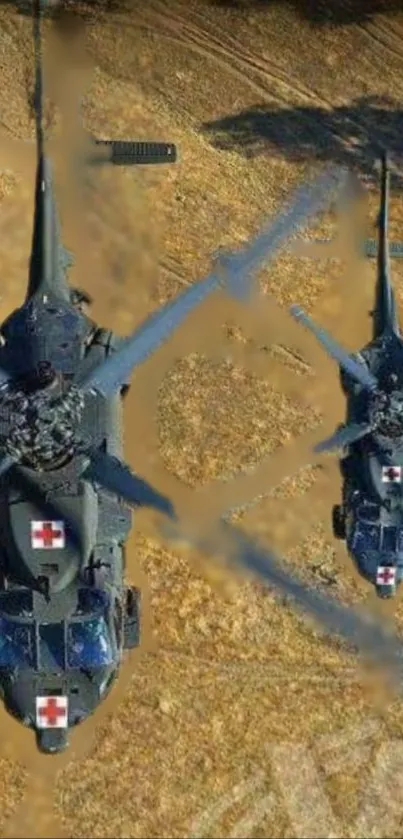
x: 348, y: 135
x: 320, y: 12
x: 316, y: 12
x: 67, y: 10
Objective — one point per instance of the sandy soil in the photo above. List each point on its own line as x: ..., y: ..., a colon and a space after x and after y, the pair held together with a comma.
x: 230, y: 682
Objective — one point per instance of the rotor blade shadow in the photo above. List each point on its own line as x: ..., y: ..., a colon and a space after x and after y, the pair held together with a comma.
x: 117, y: 477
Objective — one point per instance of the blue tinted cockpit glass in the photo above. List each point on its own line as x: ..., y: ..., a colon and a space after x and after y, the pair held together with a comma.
x: 368, y: 512
x: 389, y: 540
x: 89, y: 643
x: 18, y: 603
x: 51, y: 645
x: 91, y: 600
x: 366, y: 538
x: 17, y: 644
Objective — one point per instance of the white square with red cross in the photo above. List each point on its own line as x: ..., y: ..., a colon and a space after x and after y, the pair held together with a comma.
x: 385, y: 576
x: 47, y: 535
x: 51, y: 711
x: 391, y: 474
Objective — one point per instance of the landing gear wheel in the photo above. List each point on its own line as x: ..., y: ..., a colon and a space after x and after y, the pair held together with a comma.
x: 339, y: 522
x: 131, y: 623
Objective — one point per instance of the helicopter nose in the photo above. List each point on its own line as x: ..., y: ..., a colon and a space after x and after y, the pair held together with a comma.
x: 388, y: 575
x: 385, y: 592
x: 52, y: 740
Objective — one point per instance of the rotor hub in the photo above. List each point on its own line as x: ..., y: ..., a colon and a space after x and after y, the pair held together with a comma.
x: 386, y: 413
x: 42, y: 425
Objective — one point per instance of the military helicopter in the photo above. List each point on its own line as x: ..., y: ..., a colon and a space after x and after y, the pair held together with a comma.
x: 52, y: 617
x: 370, y: 517
x: 66, y: 614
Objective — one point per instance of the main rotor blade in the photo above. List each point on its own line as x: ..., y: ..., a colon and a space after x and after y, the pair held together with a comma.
x: 309, y: 200
x: 115, y: 370
x: 234, y: 272
x: 349, y: 226
x: 116, y: 477
x: 365, y: 635
x: 355, y: 370
x: 344, y: 437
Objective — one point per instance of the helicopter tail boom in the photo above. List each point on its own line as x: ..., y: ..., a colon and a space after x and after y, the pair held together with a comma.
x: 48, y: 257
x: 385, y: 313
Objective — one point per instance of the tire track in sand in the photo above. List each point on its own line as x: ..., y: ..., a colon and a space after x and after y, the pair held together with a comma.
x: 384, y: 35
x: 229, y: 53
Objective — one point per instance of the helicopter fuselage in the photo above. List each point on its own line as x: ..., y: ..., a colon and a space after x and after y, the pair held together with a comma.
x: 62, y: 594
x: 371, y: 512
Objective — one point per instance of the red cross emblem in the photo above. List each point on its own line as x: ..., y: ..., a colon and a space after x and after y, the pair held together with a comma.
x: 47, y: 534
x: 51, y: 711
x: 385, y: 576
x: 391, y: 474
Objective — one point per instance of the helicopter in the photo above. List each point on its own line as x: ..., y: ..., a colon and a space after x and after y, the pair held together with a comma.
x: 42, y: 343
x: 66, y: 496
x: 370, y: 517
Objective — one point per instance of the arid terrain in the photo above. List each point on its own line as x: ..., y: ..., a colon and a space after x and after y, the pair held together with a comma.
x: 231, y: 685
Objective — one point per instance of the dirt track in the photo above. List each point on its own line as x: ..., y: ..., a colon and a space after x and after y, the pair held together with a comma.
x: 255, y: 98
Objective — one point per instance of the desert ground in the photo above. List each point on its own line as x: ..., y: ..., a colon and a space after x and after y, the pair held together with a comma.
x: 238, y: 716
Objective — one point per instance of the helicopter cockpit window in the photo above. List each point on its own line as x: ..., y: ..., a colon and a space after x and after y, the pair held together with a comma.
x: 118, y: 622
x: 368, y: 512
x: 366, y: 537
x: 17, y: 602
x: 51, y: 645
x: 17, y: 644
x: 91, y: 600
x: 389, y: 539
x: 89, y: 643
